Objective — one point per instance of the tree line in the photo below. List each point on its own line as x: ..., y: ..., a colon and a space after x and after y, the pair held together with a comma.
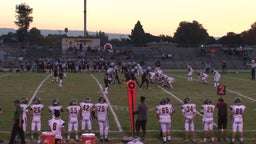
x: 187, y: 33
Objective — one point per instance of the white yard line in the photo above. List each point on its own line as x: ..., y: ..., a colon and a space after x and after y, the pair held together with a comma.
x: 107, y: 100
x: 5, y: 75
x: 37, y: 89
x: 178, y: 99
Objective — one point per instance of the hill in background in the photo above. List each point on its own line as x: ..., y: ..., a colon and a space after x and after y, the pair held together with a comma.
x: 70, y: 33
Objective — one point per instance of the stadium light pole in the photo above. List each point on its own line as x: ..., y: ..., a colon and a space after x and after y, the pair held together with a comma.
x: 85, y: 31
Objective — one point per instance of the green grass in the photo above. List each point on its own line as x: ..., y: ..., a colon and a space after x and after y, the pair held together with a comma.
x: 80, y: 85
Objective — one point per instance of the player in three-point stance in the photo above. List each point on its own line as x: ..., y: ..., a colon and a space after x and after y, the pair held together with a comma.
x: 207, y: 110
x: 189, y: 113
x: 203, y: 77
x: 237, y: 116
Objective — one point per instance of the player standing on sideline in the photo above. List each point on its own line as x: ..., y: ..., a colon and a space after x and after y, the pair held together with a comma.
x: 36, y: 110
x: 102, y: 110
x: 207, y: 110
x: 237, y: 116
x: 189, y: 113
x: 17, y: 126
x: 203, y: 77
x: 73, y: 117
x: 189, y: 72
x: 55, y: 106
x: 86, y: 112
x: 216, y: 77
x: 24, y: 106
x: 222, y: 119
x: 164, y: 113
x: 141, y: 120
x: 56, y: 126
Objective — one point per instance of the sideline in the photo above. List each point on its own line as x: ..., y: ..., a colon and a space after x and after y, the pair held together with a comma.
x: 37, y: 89
x: 107, y: 100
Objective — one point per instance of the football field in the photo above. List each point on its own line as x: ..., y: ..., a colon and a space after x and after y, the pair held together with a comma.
x: 79, y: 85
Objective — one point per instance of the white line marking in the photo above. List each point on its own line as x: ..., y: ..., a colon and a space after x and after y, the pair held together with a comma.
x: 178, y: 99
x: 235, y: 92
x: 4, y: 75
x: 38, y: 88
x: 111, y: 109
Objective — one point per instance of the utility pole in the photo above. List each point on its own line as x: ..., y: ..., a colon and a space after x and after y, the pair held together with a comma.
x: 85, y: 31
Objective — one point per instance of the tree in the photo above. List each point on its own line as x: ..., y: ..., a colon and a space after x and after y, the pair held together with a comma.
x: 190, y: 33
x: 138, y: 36
x: 23, y: 20
x: 102, y: 36
x: 231, y: 39
x: 35, y: 36
x: 249, y: 36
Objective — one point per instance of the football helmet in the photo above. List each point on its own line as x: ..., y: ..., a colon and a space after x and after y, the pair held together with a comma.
x: 87, y: 99
x: 208, y: 101
x: 24, y: 100
x: 55, y: 102
x: 101, y: 99
x: 237, y: 100
x: 73, y: 102
x: 163, y: 101
x: 187, y: 99
x: 37, y: 100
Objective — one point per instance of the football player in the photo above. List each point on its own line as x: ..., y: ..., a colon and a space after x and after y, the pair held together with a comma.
x: 164, y: 113
x: 61, y: 76
x: 237, y: 117
x: 189, y: 72
x: 216, y: 77
x: 36, y: 110
x: 55, y: 106
x: 86, y: 110
x: 24, y: 106
x: 73, y: 117
x: 102, y: 110
x: 56, y: 126
x: 203, y: 77
x: 55, y: 77
x: 207, y: 110
x: 189, y: 113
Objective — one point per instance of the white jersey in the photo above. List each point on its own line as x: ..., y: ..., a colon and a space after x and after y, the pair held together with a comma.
x: 102, y: 110
x: 217, y: 75
x: 189, y: 70
x: 164, y: 112
x: 203, y: 76
x: 73, y: 111
x: 188, y: 109
x: 52, y: 108
x: 25, y: 110
x: 170, y: 79
x: 56, y: 124
x: 237, y: 111
x: 86, y: 110
x: 207, y: 110
x: 37, y: 110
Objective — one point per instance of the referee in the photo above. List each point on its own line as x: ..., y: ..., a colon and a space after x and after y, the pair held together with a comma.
x: 17, y: 126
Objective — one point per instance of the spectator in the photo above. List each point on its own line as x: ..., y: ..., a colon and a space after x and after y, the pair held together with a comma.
x: 141, y: 113
x: 253, y: 68
x: 224, y: 67
x: 222, y: 119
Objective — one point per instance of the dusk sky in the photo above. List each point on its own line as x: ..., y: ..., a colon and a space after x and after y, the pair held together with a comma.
x: 119, y: 16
